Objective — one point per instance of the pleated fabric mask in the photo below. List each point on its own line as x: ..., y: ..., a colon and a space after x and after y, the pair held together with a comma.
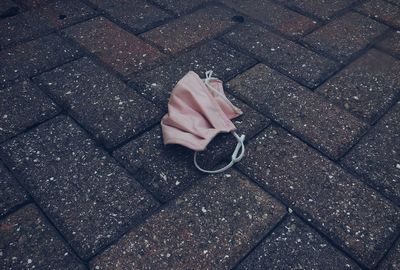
x: 198, y: 110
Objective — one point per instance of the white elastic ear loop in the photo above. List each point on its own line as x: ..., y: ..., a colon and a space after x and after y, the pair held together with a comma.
x: 211, y: 88
x: 235, y: 157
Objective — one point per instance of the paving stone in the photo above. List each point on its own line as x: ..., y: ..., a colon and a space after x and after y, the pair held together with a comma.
x: 381, y: 11
x: 28, y: 241
x: 116, y: 47
x: 104, y: 105
x: 367, y: 87
x: 87, y: 196
x: 288, y: 57
x: 376, y: 158
x: 64, y: 13
x: 392, y: 260
x: 324, y: 9
x: 345, y: 36
x: 356, y: 217
x: 167, y: 170
x: 211, y: 226
x: 280, y: 18
x: 203, y: 24
x: 21, y: 106
x: 180, y: 7
x: 294, y: 245
x: 226, y: 62
x: 30, y: 4
x: 391, y: 44
x: 11, y: 193
x: 21, y: 27
x: 138, y: 15
x: 326, y: 127
x: 34, y: 57
x: 8, y: 9
x: 396, y: 2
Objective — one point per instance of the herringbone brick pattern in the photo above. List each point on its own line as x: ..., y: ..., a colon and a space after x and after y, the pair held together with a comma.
x: 86, y: 182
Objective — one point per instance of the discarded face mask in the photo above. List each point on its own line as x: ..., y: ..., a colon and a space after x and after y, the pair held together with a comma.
x: 198, y: 110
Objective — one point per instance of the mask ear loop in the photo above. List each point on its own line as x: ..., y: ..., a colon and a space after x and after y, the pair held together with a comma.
x: 235, y: 157
x: 240, y: 144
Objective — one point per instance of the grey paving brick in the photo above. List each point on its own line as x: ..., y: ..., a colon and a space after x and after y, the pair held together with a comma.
x: 22, y: 27
x: 191, y: 29
x: 28, y: 241
x: 30, y: 4
x: 60, y: 14
x: 324, y: 10
x: 392, y: 260
x: 8, y: 8
x: 294, y: 245
x: 88, y: 197
x: 376, y: 158
x: 34, y: 57
x: 345, y: 36
x: 210, y: 227
x: 357, y: 218
x: 116, y: 47
x: 104, y: 105
x: 367, y: 87
x: 11, y: 193
x: 391, y: 44
x: 280, y: 18
x: 21, y: 106
x: 288, y: 57
x: 164, y: 170
x: 139, y: 15
x: 167, y: 170
x: 326, y: 127
x: 157, y: 84
x: 382, y: 11
x: 180, y: 7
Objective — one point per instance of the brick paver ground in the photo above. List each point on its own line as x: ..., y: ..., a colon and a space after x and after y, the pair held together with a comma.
x: 86, y: 182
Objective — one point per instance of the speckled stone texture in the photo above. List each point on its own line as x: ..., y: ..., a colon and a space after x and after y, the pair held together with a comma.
x: 367, y: 87
x: 376, y: 158
x: 210, y: 227
x: 288, y: 57
x: 28, y: 241
x: 116, y: 47
x: 326, y: 127
x: 167, y: 170
x: 322, y: 9
x: 392, y: 261
x: 224, y: 61
x: 391, y: 44
x: 164, y: 170
x: 11, y: 193
x: 382, y: 11
x: 203, y: 24
x: 278, y: 17
x: 88, y: 197
x: 345, y: 36
x: 35, y: 56
x: 294, y: 245
x: 61, y: 13
x: 180, y: 7
x: 357, y: 218
x: 29, y: 4
x: 22, y: 106
x: 138, y: 15
x: 8, y: 8
x: 104, y: 105
x: 22, y: 27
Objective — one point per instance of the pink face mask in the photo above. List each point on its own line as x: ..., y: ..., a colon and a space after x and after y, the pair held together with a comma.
x: 198, y: 110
